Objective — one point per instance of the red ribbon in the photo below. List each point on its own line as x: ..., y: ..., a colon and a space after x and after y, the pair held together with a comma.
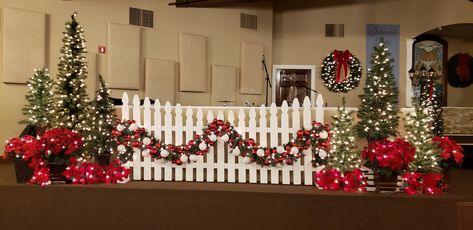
x: 463, y: 67
x: 342, y: 59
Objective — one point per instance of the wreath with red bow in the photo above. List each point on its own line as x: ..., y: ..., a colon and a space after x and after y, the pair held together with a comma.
x: 460, y: 70
x: 341, y: 71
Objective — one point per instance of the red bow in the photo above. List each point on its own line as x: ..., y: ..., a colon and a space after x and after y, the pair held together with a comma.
x: 342, y: 59
x: 463, y: 66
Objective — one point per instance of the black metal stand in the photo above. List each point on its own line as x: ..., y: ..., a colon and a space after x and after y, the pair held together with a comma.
x: 268, y: 81
x: 299, y: 84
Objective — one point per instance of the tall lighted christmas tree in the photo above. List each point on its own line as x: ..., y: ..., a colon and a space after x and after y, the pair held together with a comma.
x: 343, y: 154
x: 39, y: 100
x: 101, y: 122
x: 379, y: 109
x: 419, y: 134
x: 70, y: 91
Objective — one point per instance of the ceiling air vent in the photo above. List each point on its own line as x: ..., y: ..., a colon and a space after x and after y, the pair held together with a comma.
x: 141, y: 17
x: 249, y: 21
x: 334, y: 30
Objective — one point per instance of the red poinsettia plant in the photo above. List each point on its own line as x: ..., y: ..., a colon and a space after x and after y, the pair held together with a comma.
x: 427, y: 183
x: 332, y: 179
x: 386, y: 156
x: 55, y: 146
x: 451, y: 154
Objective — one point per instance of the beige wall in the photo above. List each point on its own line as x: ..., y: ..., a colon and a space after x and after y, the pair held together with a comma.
x: 299, y: 37
x: 221, y: 26
x: 459, y: 97
x: 292, y: 34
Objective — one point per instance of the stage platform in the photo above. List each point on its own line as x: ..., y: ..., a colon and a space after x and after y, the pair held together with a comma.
x: 184, y: 205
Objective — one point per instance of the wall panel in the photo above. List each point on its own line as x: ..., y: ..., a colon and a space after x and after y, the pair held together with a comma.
x: 124, y: 56
x: 251, y: 80
x: 24, y: 44
x: 224, y: 85
x: 159, y: 79
x: 192, y: 62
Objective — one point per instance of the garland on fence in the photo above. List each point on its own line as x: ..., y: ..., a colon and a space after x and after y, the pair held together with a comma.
x: 131, y: 137
x: 341, y: 71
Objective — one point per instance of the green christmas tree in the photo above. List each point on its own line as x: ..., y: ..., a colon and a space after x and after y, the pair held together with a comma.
x: 379, y: 109
x: 419, y: 134
x: 433, y: 101
x: 101, y: 122
x: 39, y: 100
x: 344, y: 154
x: 70, y: 91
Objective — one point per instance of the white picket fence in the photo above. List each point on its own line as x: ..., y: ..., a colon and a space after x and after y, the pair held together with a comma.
x: 271, y: 126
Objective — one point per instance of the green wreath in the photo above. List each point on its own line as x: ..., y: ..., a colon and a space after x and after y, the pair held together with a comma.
x: 460, y: 70
x: 332, y: 68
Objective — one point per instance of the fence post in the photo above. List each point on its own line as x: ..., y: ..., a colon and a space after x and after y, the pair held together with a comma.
x: 296, y: 125
x: 273, y: 139
x: 306, y: 120
x: 319, y: 110
x: 199, y: 168
x: 189, y: 131
x: 167, y: 139
x: 157, y: 134
x: 242, y: 129
x: 136, y: 152
x: 147, y: 125
x: 231, y: 156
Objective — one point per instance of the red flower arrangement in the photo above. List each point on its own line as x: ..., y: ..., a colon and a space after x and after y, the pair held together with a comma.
x: 90, y: 173
x: 131, y: 137
x: 452, y: 153
x: 388, y: 156
x: 426, y: 183
x: 328, y: 179
x: 332, y: 179
x: 354, y: 181
x: 56, y: 145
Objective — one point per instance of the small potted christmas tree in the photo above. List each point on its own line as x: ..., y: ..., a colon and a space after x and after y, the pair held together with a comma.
x: 424, y: 171
x: 101, y: 121
x: 38, y: 111
x: 342, y: 171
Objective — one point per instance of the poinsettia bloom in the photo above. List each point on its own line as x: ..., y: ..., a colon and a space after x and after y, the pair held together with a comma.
x: 328, y: 179
x: 451, y: 151
x: 354, y: 181
x: 395, y: 155
x: 432, y: 183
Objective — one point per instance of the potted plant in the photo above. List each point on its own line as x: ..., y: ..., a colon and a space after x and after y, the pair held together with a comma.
x: 388, y: 159
x: 99, y: 141
x: 48, y: 155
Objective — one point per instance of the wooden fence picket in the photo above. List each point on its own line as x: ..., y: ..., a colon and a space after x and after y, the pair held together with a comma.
x: 241, y: 128
x: 137, y: 153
